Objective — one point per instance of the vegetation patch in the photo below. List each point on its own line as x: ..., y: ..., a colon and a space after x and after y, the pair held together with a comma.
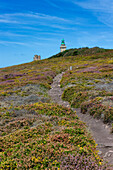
x: 37, y: 134
x: 52, y: 135
x: 75, y: 95
x: 89, y: 85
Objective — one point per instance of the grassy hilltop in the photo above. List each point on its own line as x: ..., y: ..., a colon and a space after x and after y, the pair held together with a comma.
x: 38, y: 134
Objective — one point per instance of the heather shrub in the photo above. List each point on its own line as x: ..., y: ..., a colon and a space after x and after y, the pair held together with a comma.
x: 44, y: 142
x: 81, y: 161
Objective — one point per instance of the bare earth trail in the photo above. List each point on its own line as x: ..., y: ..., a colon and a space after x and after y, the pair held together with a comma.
x: 99, y: 130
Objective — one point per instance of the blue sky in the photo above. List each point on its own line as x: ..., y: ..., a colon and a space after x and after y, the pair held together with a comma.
x: 37, y: 27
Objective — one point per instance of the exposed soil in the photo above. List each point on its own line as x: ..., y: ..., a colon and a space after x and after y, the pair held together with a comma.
x: 99, y: 130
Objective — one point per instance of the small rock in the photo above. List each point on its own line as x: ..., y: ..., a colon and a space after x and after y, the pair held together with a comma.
x: 100, y: 152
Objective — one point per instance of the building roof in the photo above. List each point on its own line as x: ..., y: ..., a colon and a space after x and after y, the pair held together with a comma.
x: 63, y: 42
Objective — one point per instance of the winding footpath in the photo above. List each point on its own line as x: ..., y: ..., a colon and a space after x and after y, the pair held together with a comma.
x: 99, y: 130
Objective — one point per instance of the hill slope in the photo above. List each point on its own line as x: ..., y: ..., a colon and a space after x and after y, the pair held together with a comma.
x: 85, y: 51
x: 37, y: 134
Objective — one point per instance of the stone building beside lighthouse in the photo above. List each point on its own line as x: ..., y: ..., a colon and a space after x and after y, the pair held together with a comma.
x: 37, y: 57
x: 63, y: 46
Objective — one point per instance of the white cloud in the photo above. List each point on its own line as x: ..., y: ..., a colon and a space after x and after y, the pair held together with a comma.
x: 36, y: 21
x: 30, y: 28
x: 8, y: 21
x: 12, y: 42
x: 102, y: 9
x: 53, y: 4
x: 33, y: 15
x: 10, y: 34
x: 98, y: 5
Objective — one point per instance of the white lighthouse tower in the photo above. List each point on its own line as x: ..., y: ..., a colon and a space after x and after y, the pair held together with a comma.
x: 63, y: 46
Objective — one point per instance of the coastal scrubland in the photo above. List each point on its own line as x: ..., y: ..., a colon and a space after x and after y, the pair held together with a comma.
x: 36, y: 133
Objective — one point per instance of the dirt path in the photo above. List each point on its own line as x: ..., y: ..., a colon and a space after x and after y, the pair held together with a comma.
x: 99, y: 131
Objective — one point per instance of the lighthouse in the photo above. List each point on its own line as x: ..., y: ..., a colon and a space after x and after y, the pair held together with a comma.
x: 63, y: 46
